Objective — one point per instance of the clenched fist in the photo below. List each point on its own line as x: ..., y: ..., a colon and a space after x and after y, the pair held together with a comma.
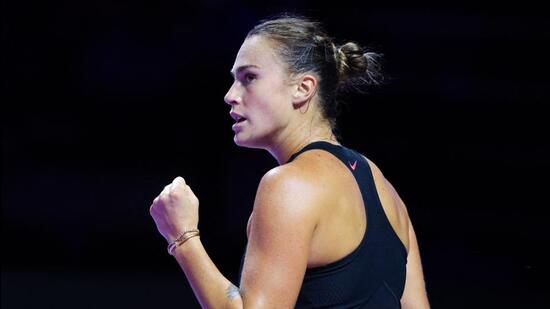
x: 175, y: 210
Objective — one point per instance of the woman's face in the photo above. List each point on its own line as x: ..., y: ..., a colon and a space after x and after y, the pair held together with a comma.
x: 261, y: 94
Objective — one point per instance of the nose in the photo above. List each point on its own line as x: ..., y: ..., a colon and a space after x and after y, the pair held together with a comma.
x: 232, y: 97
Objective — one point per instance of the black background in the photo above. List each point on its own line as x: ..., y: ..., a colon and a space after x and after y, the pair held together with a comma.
x: 105, y: 102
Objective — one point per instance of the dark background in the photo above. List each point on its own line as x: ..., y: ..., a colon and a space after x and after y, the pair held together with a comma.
x: 105, y: 102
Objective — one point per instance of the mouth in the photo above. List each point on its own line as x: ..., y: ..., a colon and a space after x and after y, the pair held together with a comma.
x: 238, y: 118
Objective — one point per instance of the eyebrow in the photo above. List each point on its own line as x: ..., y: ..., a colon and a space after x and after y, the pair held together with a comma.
x: 242, y: 68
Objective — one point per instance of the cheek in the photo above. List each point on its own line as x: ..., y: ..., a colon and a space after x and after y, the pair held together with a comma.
x: 270, y: 104
x: 273, y: 116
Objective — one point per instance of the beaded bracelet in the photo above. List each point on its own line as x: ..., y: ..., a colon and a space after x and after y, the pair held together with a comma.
x: 181, y: 239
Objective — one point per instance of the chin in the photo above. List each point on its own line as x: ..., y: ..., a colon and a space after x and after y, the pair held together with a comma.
x: 239, y: 140
x: 244, y: 142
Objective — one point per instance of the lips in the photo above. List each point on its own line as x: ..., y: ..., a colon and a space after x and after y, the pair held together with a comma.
x: 237, y: 117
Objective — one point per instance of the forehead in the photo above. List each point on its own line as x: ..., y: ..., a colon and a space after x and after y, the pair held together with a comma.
x: 257, y: 51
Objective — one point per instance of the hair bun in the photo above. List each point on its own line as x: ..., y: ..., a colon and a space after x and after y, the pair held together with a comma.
x: 356, y: 67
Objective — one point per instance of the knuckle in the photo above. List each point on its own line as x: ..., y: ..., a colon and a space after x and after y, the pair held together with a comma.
x: 174, y: 194
x: 163, y: 197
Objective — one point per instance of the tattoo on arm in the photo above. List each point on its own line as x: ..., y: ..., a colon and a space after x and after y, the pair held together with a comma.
x: 232, y: 291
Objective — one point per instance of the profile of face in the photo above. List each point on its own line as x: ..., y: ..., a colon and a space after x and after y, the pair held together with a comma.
x: 261, y: 94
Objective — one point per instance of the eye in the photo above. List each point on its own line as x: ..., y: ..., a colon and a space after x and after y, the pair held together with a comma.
x: 249, y: 77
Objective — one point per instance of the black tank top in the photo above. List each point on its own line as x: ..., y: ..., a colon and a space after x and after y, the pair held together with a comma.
x: 373, y: 274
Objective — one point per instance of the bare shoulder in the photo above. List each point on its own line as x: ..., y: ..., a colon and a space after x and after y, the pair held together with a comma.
x: 385, y: 186
x: 280, y: 232
x: 414, y: 294
x: 286, y: 193
x: 393, y: 205
x: 289, y: 184
x: 376, y: 172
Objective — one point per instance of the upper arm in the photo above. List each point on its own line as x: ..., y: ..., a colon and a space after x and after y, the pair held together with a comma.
x: 414, y: 295
x: 281, y: 228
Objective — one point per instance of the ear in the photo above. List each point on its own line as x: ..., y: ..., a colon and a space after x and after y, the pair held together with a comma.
x: 306, y: 86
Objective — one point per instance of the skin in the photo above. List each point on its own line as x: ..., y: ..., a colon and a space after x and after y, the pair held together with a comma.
x: 297, y: 221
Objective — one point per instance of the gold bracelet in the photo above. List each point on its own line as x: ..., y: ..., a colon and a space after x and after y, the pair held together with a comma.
x: 181, y: 239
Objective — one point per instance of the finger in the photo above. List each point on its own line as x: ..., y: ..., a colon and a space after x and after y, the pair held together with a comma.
x: 178, y: 184
x: 191, y: 191
x: 179, y: 181
x: 166, y: 189
x: 152, y: 207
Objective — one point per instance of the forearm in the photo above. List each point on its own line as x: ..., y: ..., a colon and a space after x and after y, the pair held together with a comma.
x: 211, y: 288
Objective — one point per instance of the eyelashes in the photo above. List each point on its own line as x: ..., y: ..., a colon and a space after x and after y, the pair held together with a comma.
x: 248, y: 78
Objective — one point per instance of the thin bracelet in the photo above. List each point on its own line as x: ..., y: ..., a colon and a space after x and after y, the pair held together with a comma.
x: 174, y: 245
x: 181, y: 239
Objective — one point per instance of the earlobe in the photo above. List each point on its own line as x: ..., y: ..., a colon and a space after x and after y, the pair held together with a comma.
x: 298, y: 99
x: 305, y: 90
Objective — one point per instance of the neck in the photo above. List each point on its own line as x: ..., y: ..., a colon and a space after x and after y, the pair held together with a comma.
x: 293, y: 143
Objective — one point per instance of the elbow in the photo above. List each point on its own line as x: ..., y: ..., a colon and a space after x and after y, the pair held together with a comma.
x: 234, y: 301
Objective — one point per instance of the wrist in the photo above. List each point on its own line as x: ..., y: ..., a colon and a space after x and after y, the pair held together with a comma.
x: 179, y: 233
x: 186, y: 248
x: 180, y: 240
